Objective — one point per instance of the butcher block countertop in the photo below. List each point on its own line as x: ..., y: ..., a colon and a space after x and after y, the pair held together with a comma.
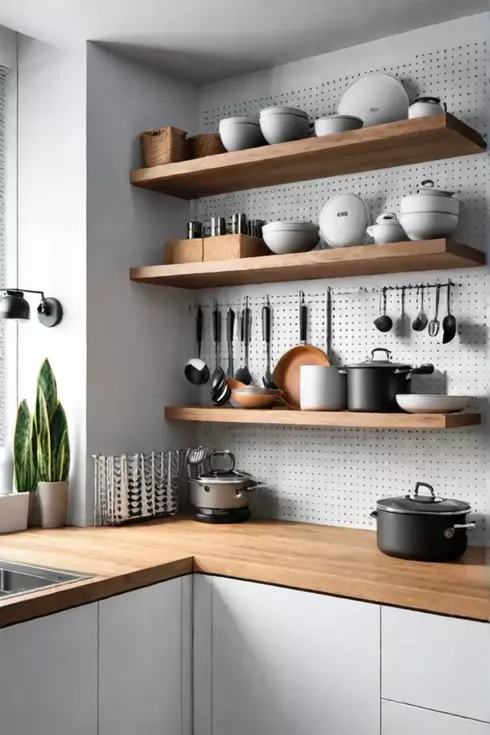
x: 335, y: 561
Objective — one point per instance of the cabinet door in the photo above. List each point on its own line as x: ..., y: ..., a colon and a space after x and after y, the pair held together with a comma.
x: 285, y: 662
x: 144, y: 679
x: 436, y: 662
x: 48, y: 675
x: 401, y: 719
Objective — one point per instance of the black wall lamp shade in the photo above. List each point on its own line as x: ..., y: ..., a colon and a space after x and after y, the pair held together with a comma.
x: 13, y: 305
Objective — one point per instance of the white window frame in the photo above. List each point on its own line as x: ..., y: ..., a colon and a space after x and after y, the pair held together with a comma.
x: 8, y: 60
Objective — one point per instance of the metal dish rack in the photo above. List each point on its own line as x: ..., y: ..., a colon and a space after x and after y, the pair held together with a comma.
x: 136, y: 487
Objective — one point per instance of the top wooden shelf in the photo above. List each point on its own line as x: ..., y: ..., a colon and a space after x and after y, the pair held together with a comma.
x: 382, y: 146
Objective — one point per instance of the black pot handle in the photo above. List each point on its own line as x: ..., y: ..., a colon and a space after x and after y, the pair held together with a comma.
x: 426, y: 369
x: 373, y: 514
x: 424, y: 484
x: 381, y: 349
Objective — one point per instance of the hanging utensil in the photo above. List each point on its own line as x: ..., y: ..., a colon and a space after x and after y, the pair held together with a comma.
x: 383, y: 323
x: 421, y: 320
x: 449, y: 321
x: 434, y: 324
x: 403, y: 323
x: 218, y: 377
x: 196, y: 371
x: 266, y: 336
x: 303, y: 320
x: 230, y: 331
x: 243, y: 373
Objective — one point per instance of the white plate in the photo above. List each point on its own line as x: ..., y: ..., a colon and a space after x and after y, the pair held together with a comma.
x: 431, y: 403
x: 343, y: 221
x: 376, y: 98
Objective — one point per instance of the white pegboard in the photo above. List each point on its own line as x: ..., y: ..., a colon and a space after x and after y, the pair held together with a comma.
x: 334, y: 476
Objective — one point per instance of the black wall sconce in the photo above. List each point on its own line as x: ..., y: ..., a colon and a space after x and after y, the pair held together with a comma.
x: 14, y: 306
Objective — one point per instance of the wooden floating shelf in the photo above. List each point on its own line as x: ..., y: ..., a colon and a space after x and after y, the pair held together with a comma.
x: 382, y: 146
x: 338, y: 419
x: 399, y: 257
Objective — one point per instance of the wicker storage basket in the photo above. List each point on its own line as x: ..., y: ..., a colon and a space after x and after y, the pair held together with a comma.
x: 205, y: 144
x: 164, y: 145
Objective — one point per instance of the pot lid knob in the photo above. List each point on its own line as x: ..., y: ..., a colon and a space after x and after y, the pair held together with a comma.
x: 423, y: 498
x: 223, y: 470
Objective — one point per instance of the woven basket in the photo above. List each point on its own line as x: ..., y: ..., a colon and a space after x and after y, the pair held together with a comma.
x: 205, y: 144
x: 164, y: 145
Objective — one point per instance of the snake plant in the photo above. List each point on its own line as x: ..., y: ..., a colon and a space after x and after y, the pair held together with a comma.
x: 25, y: 469
x: 52, y: 443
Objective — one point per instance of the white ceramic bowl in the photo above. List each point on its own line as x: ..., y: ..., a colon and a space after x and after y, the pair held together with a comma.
x: 240, y: 133
x: 293, y: 237
x: 336, y: 124
x: 428, y: 225
x: 281, y: 124
x: 431, y: 403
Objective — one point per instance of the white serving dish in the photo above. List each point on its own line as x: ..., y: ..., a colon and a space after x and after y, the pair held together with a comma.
x: 336, y: 124
x: 387, y: 229
x: 376, y: 98
x: 14, y: 509
x: 426, y: 107
x: 429, y: 225
x: 282, y: 124
x: 431, y: 403
x: 290, y: 237
x: 343, y: 221
x: 430, y: 199
x: 240, y: 133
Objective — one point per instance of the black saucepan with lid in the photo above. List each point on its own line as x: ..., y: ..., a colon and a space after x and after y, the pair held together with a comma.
x: 423, y: 527
x: 373, y: 385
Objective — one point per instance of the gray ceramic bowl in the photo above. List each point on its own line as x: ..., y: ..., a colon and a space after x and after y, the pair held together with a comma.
x: 240, y: 133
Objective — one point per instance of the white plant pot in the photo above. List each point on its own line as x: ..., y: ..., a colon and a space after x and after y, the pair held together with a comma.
x: 53, y: 503
x: 14, y: 509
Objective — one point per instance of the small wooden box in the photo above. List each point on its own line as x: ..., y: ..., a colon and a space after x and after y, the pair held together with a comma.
x: 233, y: 247
x: 223, y: 247
x: 183, y: 251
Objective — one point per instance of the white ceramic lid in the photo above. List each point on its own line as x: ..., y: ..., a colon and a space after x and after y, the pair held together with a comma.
x: 376, y: 98
x: 239, y: 120
x: 387, y: 218
x: 427, y: 188
x: 280, y: 110
x: 343, y: 221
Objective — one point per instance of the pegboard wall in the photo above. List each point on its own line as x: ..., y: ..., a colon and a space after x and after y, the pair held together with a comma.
x: 334, y: 476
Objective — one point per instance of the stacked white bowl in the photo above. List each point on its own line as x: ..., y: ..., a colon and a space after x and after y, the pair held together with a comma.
x: 280, y: 124
x: 239, y: 133
x: 430, y: 213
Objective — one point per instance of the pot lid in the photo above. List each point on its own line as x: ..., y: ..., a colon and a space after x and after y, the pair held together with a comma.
x: 225, y: 478
x: 432, y: 100
x: 423, y: 504
x: 426, y: 188
x: 372, y: 362
x: 387, y: 218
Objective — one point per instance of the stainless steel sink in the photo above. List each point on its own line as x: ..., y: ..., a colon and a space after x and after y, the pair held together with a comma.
x: 17, y: 579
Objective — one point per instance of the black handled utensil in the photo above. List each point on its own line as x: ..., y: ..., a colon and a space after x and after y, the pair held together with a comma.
x: 196, y: 371
x: 383, y: 323
x: 243, y: 373
x: 267, y: 337
x: 230, y: 332
x: 434, y: 324
x: 218, y: 377
x: 449, y: 321
x: 303, y: 320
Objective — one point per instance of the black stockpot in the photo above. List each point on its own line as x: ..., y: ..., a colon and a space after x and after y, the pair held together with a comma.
x: 373, y: 385
x: 423, y: 527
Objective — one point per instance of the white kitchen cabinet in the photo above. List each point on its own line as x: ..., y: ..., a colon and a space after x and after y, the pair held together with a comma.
x: 276, y: 661
x: 145, y: 661
x: 436, y: 662
x: 403, y: 719
x: 48, y: 675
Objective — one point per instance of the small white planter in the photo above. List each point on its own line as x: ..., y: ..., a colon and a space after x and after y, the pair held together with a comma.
x: 14, y: 509
x: 53, y: 503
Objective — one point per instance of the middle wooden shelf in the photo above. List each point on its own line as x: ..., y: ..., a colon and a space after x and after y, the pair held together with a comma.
x: 333, y: 419
x: 363, y: 260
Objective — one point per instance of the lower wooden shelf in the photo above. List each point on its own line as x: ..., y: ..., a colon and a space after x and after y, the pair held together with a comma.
x: 339, y: 419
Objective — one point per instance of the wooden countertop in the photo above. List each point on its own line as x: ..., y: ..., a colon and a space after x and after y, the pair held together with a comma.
x: 332, y: 560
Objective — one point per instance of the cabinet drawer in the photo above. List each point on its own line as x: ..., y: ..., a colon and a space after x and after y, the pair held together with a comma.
x: 402, y: 719
x: 436, y: 662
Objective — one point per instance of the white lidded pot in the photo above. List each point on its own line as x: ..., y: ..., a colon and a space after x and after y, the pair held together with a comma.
x: 426, y: 107
x: 240, y: 133
x: 387, y: 229
x: 430, y: 199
